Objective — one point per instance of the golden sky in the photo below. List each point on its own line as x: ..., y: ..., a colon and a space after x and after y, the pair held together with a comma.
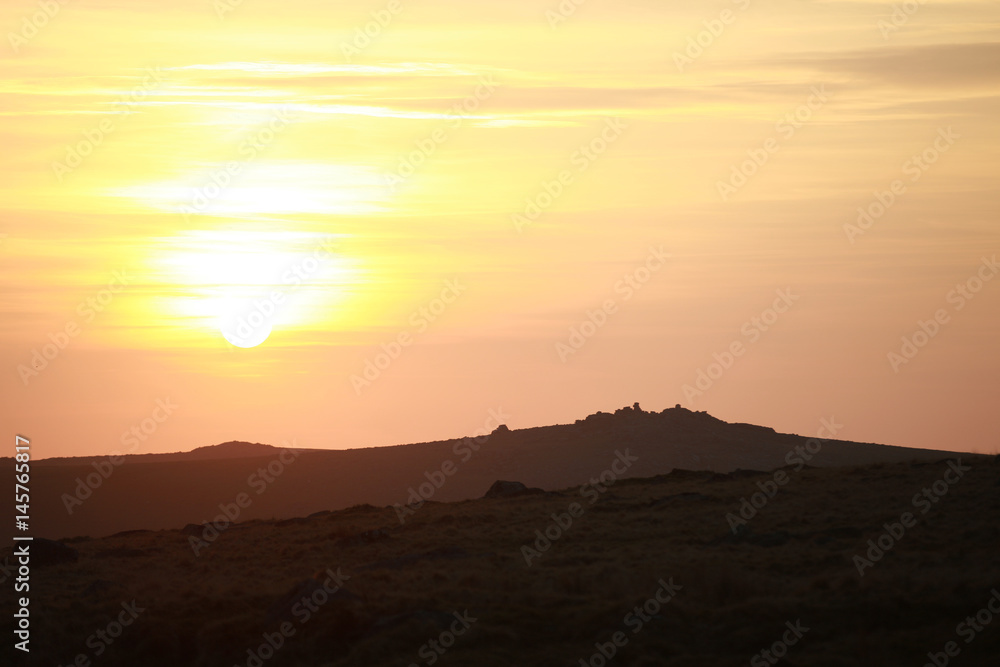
x: 408, y: 214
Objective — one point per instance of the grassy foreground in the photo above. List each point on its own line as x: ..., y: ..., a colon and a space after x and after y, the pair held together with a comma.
x: 647, y: 571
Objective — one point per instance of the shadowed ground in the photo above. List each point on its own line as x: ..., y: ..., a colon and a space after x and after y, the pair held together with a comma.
x: 399, y: 586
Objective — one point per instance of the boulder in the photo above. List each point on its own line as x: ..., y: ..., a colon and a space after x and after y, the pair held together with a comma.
x: 501, y: 489
x: 195, y: 529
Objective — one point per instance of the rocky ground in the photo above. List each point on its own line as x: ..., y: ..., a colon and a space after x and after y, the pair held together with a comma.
x: 873, y: 565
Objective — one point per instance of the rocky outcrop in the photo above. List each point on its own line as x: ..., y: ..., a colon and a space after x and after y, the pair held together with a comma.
x: 501, y: 489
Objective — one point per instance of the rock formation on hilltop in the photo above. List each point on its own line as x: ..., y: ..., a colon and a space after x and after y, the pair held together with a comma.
x: 501, y: 489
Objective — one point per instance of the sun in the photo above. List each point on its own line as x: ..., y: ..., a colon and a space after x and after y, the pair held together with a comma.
x: 248, y: 322
x: 246, y: 284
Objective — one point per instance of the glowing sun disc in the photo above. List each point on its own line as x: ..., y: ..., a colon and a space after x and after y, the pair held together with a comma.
x: 255, y: 338
x: 243, y: 325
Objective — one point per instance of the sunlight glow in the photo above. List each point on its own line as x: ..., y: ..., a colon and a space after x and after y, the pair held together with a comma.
x: 268, y: 188
x: 260, y: 282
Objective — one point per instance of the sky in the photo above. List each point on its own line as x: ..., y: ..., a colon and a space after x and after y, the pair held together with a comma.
x: 355, y: 224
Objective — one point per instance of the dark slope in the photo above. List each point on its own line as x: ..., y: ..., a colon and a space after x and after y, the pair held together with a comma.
x: 153, y: 494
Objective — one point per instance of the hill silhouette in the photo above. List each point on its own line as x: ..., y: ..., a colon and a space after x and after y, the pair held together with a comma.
x: 95, y: 497
x: 233, y: 449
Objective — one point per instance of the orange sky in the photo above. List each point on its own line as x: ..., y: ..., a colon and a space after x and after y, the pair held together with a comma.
x: 493, y: 206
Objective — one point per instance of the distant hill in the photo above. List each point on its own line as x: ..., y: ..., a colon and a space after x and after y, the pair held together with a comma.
x: 234, y: 449
x: 89, y: 496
